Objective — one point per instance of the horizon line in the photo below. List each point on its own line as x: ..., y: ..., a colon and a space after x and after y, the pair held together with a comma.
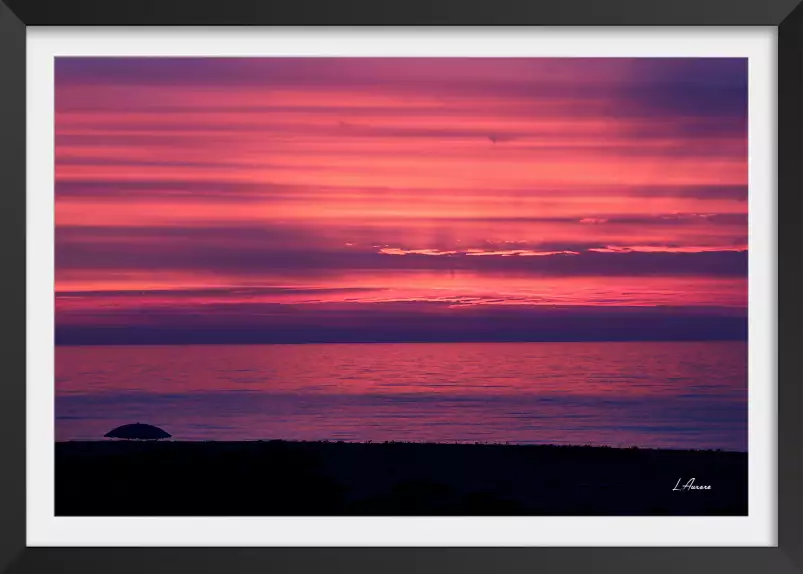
x: 398, y: 342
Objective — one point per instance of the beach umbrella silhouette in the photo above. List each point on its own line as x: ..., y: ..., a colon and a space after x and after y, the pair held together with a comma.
x: 137, y: 431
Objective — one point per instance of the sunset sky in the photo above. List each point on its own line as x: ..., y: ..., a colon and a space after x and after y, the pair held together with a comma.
x: 329, y: 199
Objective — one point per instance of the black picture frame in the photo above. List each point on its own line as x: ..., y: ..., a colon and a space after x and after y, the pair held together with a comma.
x: 16, y: 15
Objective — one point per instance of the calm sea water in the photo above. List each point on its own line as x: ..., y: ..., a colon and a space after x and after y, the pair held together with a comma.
x: 676, y: 395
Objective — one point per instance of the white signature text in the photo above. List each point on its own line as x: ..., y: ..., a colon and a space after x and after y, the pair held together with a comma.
x: 691, y: 486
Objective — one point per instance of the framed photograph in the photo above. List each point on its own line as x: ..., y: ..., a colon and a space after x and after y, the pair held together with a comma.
x: 424, y: 286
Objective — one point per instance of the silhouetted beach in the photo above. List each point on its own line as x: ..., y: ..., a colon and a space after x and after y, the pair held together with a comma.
x: 267, y: 478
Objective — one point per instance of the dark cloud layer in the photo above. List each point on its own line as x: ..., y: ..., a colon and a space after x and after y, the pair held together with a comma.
x: 291, y: 250
x: 413, y: 322
x: 408, y: 324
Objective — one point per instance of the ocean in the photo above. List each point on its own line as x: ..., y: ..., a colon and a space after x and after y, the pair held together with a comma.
x: 645, y: 394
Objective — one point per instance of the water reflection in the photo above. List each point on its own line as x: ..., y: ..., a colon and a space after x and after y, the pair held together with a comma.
x: 680, y: 395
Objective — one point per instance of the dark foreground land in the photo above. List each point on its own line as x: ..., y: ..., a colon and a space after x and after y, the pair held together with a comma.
x: 107, y: 478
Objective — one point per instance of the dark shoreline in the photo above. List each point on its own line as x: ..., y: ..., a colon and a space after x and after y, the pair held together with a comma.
x: 285, y: 478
